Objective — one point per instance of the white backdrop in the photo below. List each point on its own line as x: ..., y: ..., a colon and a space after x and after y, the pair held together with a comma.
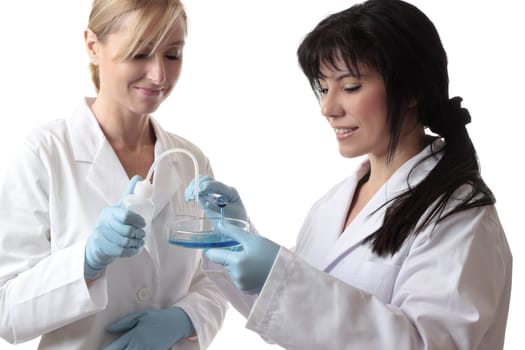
x: 244, y: 101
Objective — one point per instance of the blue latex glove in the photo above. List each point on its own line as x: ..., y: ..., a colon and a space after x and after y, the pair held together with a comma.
x: 154, y: 329
x: 249, y: 267
x: 233, y: 209
x: 118, y: 233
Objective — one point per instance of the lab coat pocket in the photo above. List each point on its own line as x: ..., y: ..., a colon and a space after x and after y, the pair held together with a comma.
x: 376, y: 278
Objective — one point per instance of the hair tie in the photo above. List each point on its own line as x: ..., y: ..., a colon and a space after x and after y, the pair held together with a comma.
x: 458, y: 113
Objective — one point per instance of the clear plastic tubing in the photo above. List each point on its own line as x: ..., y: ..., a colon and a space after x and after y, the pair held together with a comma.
x: 167, y: 153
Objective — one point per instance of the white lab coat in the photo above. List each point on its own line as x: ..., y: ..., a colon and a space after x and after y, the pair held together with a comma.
x: 65, y: 175
x: 446, y: 288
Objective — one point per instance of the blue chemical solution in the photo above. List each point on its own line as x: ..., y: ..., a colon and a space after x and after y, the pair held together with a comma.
x: 203, y: 233
x: 201, y: 239
x: 197, y: 244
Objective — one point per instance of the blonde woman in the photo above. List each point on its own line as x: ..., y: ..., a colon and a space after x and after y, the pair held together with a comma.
x: 76, y: 268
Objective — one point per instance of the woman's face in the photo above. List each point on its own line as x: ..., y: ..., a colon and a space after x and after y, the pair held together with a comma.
x: 140, y: 84
x: 356, y: 109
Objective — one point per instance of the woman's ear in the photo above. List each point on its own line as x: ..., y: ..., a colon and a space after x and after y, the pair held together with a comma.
x: 92, y: 45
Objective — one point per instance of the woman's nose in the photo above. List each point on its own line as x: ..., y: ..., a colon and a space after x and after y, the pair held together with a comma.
x: 157, y: 70
x: 330, y: 106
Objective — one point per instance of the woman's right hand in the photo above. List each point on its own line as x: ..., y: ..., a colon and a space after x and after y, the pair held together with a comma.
x: 208, y: 186
x: 118, y: 232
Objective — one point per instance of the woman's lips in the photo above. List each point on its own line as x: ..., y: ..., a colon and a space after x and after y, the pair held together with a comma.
x: 342, y: 133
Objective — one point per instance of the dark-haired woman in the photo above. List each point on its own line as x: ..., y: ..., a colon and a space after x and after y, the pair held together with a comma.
x: 406, y: 253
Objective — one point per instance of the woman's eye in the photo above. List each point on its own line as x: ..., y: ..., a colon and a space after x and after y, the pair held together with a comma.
x: 322, y: 91
x: 140, y: 56
x: 352, y: 88
x: 173, y: 56
x: 174, y: 53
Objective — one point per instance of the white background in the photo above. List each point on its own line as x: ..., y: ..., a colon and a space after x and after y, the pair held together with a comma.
x: 244, y: 101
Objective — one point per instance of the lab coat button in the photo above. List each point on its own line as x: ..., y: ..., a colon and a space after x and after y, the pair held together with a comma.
x: 143, y: 294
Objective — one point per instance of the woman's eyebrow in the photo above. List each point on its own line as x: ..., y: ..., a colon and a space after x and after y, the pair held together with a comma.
x: 175, y: 43
x: 345, y: 75
x: 342, y: 76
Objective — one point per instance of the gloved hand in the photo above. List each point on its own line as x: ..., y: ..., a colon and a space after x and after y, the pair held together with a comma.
x: 118, y: 233
x: 233, y: 209
x: 154, y: 329
x: 249, y: 267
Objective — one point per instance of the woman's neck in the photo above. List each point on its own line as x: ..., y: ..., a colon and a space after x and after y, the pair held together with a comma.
x: 382, y: 167
x: 123, y: 130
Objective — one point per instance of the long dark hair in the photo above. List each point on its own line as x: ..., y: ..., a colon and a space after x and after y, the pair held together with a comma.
x: 402, y: 44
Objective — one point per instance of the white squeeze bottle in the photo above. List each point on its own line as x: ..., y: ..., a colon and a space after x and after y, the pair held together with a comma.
x: 140, y: 201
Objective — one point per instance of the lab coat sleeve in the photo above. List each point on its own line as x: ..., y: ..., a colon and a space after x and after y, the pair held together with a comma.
x: 242, y: 302
x: 206, y: 307
x: 451, y: 287
x: 34, y: 281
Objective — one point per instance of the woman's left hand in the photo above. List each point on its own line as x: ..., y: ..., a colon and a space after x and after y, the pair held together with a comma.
x: 153, y: 329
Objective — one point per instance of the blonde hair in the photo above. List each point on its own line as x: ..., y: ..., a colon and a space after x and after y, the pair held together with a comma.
x: 154, y: 20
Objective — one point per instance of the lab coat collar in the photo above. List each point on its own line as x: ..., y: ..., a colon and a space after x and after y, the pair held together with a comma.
x: 371, y: 216
x: 90, y: 145
x: 85, y: 133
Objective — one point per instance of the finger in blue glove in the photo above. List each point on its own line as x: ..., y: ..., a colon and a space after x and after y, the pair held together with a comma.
x: 249, y: 267
x: 153, y: 329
